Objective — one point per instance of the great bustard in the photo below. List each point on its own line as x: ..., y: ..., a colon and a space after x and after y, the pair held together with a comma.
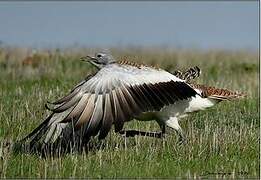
x: 119, y: 92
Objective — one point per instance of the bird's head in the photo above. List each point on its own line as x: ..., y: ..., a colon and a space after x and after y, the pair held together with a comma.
x: 100, y: 59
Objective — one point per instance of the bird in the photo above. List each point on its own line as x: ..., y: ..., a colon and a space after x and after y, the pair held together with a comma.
x: 118, y: 92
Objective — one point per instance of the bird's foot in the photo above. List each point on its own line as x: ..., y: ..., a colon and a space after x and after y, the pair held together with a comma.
x: 182, y: 140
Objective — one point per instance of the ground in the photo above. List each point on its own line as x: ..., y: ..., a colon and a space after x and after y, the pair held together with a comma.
x: 222, y: 141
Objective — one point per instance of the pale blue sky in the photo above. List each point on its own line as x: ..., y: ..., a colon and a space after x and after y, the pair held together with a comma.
x: 205, y: 24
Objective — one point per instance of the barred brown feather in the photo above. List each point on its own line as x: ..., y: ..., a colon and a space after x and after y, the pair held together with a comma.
x: 135, y: 64
x: 217, y: 93
x: 189, y: 74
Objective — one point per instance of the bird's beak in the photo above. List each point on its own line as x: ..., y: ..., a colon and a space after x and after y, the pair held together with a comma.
x: 87, y: 58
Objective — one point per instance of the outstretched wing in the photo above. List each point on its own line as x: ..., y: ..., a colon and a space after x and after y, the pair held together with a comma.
x: 114, y: 95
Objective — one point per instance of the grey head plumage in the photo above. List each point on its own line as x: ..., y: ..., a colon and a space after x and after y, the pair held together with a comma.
x: 100, y: 59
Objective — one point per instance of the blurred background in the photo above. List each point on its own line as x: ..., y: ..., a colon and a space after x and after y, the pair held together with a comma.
x: 204, y: 25
x: 46, y: 39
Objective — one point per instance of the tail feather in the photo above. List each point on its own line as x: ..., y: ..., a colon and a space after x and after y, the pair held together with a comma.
x: 230, y: 97
x: 218, y: 93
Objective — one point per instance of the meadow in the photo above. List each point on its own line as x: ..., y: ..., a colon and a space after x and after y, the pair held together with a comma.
x: 222, y: 141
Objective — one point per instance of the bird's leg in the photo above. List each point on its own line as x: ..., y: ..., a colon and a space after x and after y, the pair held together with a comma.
x: 162, y: 127
x: 174, y: 124
x: 163, y: 130
x: 132, y: 133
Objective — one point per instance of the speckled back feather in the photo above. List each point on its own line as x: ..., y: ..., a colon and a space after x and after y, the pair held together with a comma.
x: 138, y: 65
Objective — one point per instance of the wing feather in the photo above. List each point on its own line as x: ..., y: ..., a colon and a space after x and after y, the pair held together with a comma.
x: 165, y: 93
x: 76, y: 112
x: 141, y: 93
x: 124, y: 104
x: 157, y: 102
x: 139, y: 98
x: 87, y: 112
x: 66, y: 98
x: 130, y: 99
x: 107, y: 119
x: 68, y: 104
x: 118, y: 112
x: 96, y: 118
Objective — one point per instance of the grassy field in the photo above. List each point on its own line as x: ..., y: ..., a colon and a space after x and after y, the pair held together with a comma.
x: 222, y: 141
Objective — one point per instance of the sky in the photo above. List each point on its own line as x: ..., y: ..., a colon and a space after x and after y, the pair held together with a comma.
x: 200, y: 24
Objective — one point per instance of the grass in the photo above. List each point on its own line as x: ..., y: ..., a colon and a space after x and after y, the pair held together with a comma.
x: 222, y: 141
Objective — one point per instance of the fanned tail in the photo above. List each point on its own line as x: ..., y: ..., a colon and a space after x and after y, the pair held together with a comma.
x: 218, y: 93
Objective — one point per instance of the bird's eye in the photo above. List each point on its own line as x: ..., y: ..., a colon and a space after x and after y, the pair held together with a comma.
x: 99, y: 55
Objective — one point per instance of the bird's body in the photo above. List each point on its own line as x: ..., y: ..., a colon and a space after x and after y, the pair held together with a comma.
x: 170, y: 115
x: 180, y: 109
x: 119, y: 92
